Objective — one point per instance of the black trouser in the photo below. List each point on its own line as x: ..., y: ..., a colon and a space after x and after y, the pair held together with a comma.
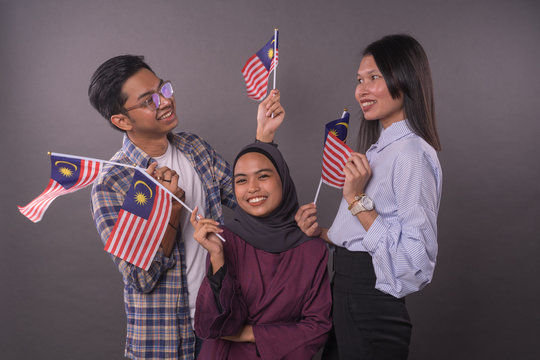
x: 368, y: 324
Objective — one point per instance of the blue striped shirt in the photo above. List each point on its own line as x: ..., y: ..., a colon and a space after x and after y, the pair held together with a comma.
x: 406, y: 189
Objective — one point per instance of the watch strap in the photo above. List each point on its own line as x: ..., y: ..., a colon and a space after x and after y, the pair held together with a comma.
x: 358, y: 207
x: 356, y: 199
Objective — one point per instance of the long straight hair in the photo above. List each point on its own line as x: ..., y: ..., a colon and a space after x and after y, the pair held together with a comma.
x: 405, y: 69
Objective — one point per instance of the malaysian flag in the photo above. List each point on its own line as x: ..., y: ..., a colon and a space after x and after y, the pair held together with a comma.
x: 258, y: 67
x: 67, y: 175
x: 336, y: 152
x: 141, y: 223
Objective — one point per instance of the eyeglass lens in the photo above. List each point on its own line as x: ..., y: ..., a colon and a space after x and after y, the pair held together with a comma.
x: 167, y: 92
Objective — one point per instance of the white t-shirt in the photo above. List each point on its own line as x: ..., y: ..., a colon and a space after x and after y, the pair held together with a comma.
x: 189, y: 181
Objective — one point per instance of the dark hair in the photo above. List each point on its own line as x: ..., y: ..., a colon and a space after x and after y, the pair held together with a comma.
x: 105, y: 90
x: 405, y: 69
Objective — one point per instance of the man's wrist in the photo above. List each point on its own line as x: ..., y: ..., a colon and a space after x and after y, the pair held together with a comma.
x: 176, y: 212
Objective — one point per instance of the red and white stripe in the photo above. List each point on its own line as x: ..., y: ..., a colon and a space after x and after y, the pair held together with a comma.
x: 37, y: 207
x: 135, y: 239
x: 335, y: 155
x: 256, y: 76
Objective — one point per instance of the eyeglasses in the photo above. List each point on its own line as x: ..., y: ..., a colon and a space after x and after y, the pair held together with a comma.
x: 153, y: 100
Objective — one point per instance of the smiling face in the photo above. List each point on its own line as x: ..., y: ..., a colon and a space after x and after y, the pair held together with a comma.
x: 373, y: 96
x: 257, y: 184
x: 144, y: 122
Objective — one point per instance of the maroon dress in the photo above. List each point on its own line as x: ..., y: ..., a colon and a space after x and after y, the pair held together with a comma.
x: 285, y: 297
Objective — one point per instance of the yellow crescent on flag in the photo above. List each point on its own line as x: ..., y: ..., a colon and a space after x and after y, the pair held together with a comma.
x: 65, y: 162
x: 64, y: 170
x: 140, y: 198
x: 145, y: 184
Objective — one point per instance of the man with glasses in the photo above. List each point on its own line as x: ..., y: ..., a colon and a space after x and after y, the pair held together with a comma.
x: 160, y: 302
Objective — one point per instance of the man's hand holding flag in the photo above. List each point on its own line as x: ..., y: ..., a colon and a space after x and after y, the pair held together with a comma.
x: 142, y: 221
x: 70, y: 173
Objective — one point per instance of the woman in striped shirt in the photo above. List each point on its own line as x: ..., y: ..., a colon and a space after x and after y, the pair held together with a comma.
x: 385, y: 231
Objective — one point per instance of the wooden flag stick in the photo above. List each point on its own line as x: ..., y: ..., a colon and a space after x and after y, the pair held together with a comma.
x: 318, y: 190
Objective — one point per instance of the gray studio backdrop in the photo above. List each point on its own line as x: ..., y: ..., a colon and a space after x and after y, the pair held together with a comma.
x: 61, y: 295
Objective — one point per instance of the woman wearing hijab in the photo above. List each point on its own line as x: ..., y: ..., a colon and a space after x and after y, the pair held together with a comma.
x: 267, y: 292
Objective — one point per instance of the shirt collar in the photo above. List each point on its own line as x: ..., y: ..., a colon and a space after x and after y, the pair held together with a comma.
x: 180, y: 142
x: 139, y: 158
x: 391, y: 134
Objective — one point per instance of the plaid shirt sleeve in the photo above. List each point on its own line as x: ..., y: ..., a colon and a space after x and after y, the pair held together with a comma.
x: 108, y: 195
x: 223, y: 174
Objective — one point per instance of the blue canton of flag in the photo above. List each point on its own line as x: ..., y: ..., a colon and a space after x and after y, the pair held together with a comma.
x: 65, y: 171
x: 266, y: 54
x: 140, y: 196
x: 338, y: 127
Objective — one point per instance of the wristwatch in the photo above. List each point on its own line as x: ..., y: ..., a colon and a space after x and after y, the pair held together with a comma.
x: 361, y: 203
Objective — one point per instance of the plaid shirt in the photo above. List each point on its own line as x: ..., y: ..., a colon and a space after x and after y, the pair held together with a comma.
x: 156, y: 301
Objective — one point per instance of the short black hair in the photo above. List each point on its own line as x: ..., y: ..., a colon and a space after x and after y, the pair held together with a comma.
x: 105, y: 90
x: 405, y: 68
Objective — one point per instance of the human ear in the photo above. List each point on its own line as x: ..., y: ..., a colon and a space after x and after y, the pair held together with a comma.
x: 122, y: 122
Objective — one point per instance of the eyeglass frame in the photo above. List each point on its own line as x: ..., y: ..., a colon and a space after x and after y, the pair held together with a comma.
x: 150, y: 95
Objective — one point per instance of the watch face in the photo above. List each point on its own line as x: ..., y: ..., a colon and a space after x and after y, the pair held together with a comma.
x: 367, y: 203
